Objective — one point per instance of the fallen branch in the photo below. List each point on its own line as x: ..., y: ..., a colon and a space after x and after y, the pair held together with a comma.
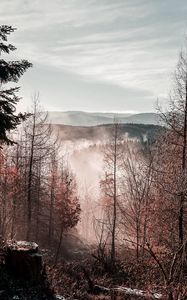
x: 127, y: 291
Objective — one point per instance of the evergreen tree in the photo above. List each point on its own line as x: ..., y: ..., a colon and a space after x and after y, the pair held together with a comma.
x: 10, y: 71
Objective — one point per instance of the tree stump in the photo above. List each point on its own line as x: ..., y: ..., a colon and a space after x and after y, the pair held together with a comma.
x: 23, y: 260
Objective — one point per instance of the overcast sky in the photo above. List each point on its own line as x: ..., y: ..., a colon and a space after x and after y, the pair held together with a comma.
x: 97, y: 55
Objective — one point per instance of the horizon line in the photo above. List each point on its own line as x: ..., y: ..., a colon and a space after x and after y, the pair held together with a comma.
x: 104, y: 112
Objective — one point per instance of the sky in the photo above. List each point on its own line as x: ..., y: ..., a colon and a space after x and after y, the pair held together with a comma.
x: 97, y: 55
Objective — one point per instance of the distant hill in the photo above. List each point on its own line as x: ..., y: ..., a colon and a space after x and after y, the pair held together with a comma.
x: 143, y: 118
x: 80, y: 118
x: 101, y: 133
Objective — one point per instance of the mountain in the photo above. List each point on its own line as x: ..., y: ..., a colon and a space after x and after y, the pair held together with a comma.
x: 80, y: 118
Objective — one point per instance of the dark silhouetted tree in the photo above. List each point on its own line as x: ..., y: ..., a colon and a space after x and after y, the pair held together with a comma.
x: 10, y: 71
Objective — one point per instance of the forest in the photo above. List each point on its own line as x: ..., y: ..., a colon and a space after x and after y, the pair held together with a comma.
x: 125, y: 238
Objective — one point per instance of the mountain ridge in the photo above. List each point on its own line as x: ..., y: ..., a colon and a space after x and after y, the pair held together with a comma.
x: 82, y: 118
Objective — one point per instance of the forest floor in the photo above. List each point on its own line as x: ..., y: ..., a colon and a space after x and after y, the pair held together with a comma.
x: 83, y: 276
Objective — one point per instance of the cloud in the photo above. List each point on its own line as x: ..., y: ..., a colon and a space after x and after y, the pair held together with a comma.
x: 127, y: 43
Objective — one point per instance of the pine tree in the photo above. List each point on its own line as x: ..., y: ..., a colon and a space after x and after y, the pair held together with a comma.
x: 10, y: 71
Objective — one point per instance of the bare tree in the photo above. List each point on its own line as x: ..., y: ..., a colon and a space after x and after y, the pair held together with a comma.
x: 175, y: 142
x: 38, y: 146
x: 113, y: 154
x: 137, y: 192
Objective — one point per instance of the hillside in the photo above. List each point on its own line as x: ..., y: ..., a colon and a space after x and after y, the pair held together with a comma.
x: 101, y: 132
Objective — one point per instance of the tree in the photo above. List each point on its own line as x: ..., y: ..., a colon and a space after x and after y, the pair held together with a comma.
x: 168, y: 213
x: 137, y: 190
x: 172, y: 147
x: 38, y: 147
x: 53, y: 179
x: 113, y: 158
x: 10, y: 71
x: 67, y: 206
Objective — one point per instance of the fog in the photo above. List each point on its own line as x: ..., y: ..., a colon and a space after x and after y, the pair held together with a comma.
x: 85, y: 158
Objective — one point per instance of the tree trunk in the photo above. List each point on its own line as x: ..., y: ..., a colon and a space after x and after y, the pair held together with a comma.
x: 113, y: 250
x: 182, y: 198
x: 59, y: 245
x: 29, y: 208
